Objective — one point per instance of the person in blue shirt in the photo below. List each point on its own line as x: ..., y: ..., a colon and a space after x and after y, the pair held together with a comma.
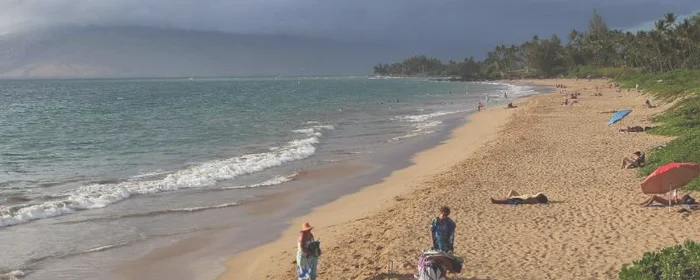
x: 442, y: 231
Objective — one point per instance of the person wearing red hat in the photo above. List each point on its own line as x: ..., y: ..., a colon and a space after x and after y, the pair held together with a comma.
x: 307, y: 258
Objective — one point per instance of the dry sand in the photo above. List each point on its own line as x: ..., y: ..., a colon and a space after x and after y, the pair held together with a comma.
x: 593, y: 226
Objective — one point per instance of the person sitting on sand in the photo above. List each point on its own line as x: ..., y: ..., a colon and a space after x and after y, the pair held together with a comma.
x: 442, y: 231
x: 510, y: 105
x: 479, y: 106
x: 307, y: 253
x: 674, y: 200
x: 636, y: 160
x: 573, y: 96
x: 566, y: 102
x: 515, y: 198
x: 649, y: 104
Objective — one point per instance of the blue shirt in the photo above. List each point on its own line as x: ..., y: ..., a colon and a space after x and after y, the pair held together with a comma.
x: 443, y: 234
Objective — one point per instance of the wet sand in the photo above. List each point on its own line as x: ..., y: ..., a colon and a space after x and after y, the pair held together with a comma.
x: 593, y: 226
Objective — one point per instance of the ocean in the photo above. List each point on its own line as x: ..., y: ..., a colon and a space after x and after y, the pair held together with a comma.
x: 91, y: 167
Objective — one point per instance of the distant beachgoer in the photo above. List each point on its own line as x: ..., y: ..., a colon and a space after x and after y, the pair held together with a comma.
x: 566, y: 102
x: 636, y: 160
x: 479, y: 106
x: 649, y: 104
x: 674, y: 200
x: 442, y: 231
x: 308, y: 252
x: 505, y: 95
x: 510, y: 105
x: 636, y: 87
x: 635, y: 128
x: 514, y: 198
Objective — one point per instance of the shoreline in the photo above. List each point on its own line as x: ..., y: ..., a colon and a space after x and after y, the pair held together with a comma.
x: 478, y: 129
x: 593, y: 226
x: 199, y: 255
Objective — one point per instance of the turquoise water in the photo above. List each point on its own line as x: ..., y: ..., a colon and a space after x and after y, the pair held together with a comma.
x: 80, y: 151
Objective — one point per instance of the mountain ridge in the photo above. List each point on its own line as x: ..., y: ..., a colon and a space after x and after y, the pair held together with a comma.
x: 100, y: 51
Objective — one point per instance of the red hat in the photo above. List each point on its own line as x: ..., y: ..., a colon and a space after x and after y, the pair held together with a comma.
x: 306, y: 226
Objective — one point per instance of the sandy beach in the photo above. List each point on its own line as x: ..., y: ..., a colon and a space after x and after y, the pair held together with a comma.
x: 592, y: 226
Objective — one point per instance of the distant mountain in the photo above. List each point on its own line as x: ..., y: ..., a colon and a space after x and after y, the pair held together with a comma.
x: 150, y: 52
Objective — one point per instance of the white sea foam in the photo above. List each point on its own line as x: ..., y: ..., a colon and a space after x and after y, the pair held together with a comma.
x: 12, y: 275
x: 202, y: 175
x: 105, y: 247
x: 422, y: 124
x: 274, y: 181
x: 200, y: 208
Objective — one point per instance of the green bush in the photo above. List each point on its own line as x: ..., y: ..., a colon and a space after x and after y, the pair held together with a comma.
x: 678, y: 262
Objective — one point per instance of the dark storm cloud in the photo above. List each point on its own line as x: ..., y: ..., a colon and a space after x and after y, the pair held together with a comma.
x: 425, y: 25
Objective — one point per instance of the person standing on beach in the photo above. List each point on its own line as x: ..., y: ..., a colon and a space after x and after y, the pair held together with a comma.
x: 442, y: 231
x: 308, y: 251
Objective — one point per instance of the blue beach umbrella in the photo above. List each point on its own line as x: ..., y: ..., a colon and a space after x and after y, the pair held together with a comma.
x: 619, y: 115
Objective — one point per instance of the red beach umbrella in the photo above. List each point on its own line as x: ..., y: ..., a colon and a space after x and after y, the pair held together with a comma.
x: 669, y: 177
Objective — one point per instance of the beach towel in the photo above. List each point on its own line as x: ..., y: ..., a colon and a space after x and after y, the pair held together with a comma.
x: 430, y: 269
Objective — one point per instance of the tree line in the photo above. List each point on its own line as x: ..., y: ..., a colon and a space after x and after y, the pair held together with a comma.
x: 670, y: 45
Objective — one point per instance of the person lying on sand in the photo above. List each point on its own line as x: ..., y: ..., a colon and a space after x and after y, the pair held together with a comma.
x: 636, y: 160
x: 649, y: 104
x: 514, y: 198
x: 510, y: 105
x: 635, y: 128
x: 675, y: 200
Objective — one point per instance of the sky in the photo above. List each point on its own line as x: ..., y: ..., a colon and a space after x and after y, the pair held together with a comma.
x: 436, y: 27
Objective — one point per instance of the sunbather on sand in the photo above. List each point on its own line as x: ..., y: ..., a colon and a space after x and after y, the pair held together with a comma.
x: 649, y: 104
x: 635, y: 128
x: 636, y: 160
x: 515, y: 198
x: 675, y: 200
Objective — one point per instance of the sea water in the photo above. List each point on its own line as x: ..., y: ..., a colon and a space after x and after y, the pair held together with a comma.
x: 91, y: 165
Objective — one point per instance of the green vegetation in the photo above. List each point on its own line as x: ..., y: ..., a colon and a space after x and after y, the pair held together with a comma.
x: 597, y: 52
x: 676, y: 262
x: 682, y: 120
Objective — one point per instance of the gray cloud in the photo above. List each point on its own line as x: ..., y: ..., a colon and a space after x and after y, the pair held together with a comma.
x: 442, y: 26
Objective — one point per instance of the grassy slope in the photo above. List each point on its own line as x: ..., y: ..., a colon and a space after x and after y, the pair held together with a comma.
x: 682, y: 120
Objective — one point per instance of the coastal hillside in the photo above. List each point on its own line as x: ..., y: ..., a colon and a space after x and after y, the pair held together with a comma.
x: 152, y: 52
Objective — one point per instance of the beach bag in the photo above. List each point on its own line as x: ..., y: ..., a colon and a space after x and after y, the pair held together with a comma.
x: 448, y: 261
x: 430, y: 269
x: 315, y: 248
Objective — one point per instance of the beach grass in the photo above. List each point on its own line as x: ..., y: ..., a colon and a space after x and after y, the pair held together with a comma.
x: 681, y: 120
x: 584, y: 71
